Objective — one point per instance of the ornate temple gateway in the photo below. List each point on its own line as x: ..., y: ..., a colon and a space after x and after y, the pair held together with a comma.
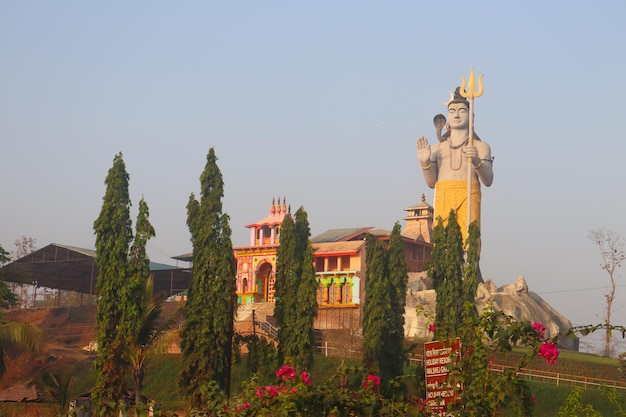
x: 256, y: 263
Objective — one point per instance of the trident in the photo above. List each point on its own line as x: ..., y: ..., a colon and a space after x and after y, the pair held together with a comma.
x: 469, y: 94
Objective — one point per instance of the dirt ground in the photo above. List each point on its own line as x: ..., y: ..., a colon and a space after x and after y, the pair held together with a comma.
x: 67, y: 331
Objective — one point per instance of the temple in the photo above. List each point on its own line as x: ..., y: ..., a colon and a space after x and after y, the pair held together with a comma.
x: 256, y: 263
x: 339, y: 256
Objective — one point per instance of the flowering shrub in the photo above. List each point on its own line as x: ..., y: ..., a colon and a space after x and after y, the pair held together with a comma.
x: 351, y: 392
x: 479, y: 390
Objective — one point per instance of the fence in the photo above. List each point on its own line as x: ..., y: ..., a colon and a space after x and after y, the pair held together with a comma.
x: 347, y: 350
x: 555, y: 378
x: 558, y: 378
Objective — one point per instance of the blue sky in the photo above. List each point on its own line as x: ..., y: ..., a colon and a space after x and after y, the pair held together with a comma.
x: 320, y: 102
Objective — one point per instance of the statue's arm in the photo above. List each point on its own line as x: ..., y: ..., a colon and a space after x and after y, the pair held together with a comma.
x: 484, y: 166
x: 426, y: 156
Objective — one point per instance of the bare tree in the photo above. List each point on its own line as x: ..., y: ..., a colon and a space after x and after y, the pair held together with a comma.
x: 611, y: 247
x: 24, y: 246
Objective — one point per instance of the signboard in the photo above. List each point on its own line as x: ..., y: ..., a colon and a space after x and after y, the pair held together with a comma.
x: 437, y: 356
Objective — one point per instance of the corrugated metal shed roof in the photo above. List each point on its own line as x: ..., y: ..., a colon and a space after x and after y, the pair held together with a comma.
x: 70, y: 268
x: 338, y: 247
x: 340, y: 235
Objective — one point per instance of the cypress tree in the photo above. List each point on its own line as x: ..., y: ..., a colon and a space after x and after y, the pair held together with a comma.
x: 470, y: 279
x: 135, y: 291
x: 139, y: 269
x: 398, y: 277
x: 447, y: 274
x: 113, y: 237
x: 306, y: 291
x: 286, y: 269
x: 206, y: 337
x: 385, y: 299
x: 376, y: 312
x: 454, y: 275
x: 296, y: 288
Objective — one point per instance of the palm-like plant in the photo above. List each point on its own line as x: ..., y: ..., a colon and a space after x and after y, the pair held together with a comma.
x: 25, y: 334
x: 57, y: 386
x: 152, y: 337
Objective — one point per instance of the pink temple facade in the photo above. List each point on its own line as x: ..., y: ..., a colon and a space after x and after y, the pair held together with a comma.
x: 256, y: 263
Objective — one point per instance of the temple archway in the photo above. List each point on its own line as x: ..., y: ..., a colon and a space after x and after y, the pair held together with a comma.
x: 265, y: 281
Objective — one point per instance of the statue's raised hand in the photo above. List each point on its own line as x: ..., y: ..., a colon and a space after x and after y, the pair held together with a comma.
x: 423, y: 150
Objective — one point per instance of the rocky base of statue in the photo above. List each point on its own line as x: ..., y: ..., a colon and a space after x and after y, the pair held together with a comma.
x: 514, y: 300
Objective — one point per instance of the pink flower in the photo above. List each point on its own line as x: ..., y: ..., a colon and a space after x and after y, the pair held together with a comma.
x: 540, y: 329
x: 286, y: 372
x: 259, y: 393
x: 371, y: 379
x: 549, y: 352
x: 271, y: 390
x: 422, y: 404
x: 246, y: 405
x: 432, y: 327
x: 305, y: 377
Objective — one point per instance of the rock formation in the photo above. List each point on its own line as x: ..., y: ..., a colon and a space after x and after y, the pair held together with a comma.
x: 514, y: 300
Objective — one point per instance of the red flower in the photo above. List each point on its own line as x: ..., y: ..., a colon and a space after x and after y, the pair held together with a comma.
x: 549, y: 352
x: 305, y: 377
x: 259, y: 393
x: 432, y: 327
x: 271, y: 390
x: 422, y: 404
x: 540, y: 329
x: 371, y: 379
x: 286, y: 372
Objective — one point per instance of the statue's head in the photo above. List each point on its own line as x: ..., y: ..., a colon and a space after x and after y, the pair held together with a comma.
x: 458, y: 111
x: 458, y: 98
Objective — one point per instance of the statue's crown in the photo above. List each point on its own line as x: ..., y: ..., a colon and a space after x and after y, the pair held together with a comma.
x: 458, y: 98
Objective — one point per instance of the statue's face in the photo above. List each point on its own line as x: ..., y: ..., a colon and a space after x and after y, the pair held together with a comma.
x: 458, y: 116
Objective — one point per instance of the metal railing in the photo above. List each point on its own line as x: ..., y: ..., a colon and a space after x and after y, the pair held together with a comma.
x: 558, y: 378
x: 327, y: 349
x: 268, y: 328
x: 555, y: 378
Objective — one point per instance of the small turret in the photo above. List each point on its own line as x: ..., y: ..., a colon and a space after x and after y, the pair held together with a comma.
x: 419, y: 221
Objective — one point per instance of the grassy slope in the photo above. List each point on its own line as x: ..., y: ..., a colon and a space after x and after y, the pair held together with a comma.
x: 162, y: 380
